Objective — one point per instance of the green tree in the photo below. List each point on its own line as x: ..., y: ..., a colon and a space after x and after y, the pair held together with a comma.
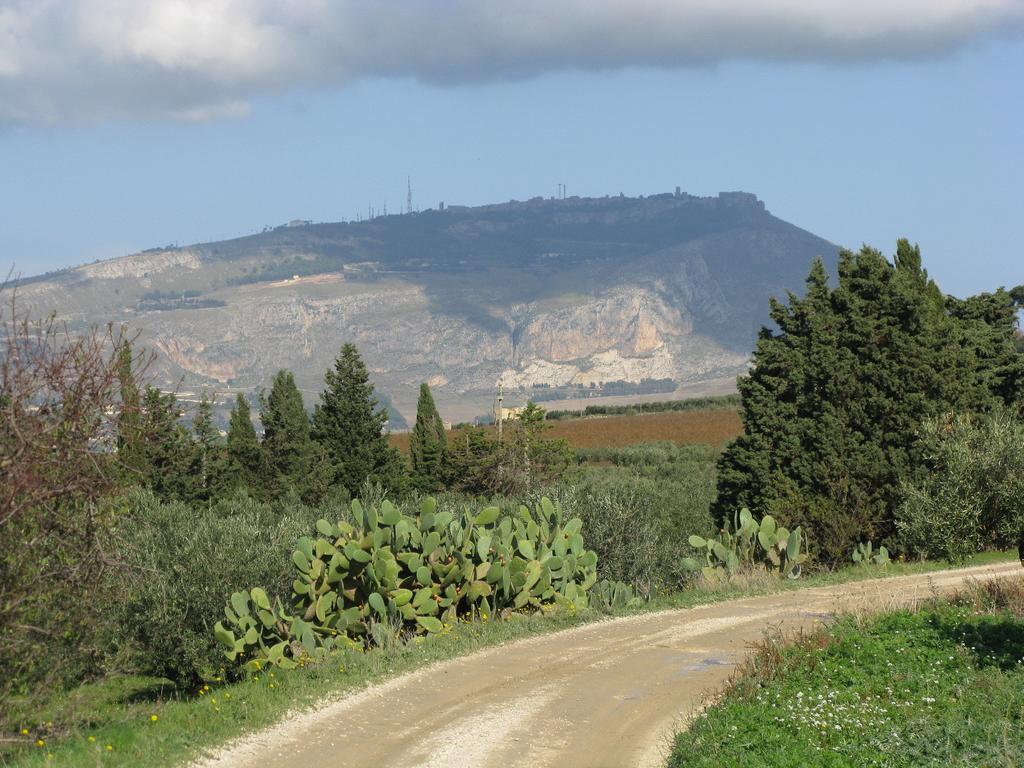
x: 835, y: 398
x: 989, y: 330
x: 428, y: 444
x: 296, y: 463
x: 245, y: 467
x: 522, y: 461
x: 209, y: 476
x: 349, y: 424
x: 129, y: 415
x: 166, y: 450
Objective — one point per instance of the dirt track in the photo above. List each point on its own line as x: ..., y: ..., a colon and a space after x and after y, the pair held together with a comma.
x: 604, y: 695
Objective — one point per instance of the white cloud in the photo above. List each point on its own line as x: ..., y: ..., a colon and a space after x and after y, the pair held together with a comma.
x: 73, y: 60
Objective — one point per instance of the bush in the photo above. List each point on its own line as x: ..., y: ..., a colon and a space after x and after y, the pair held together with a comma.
x: 973, y: 496
x: 180, y: 566
x: 639, y: 504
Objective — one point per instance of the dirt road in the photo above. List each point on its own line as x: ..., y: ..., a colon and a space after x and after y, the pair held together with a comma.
x: 604, y: 695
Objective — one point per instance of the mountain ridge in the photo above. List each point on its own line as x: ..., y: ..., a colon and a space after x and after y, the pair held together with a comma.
x: 562, y: 295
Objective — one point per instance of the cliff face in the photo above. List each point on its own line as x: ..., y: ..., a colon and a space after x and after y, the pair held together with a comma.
x: 556, y: 293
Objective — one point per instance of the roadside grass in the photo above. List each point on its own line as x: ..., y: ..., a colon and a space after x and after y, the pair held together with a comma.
x: 143, y: 721
x: 942, y: 686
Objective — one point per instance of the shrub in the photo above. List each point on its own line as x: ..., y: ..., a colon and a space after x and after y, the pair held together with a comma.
x: 180, y: 565
x: 639, y: 510
x: 623, y: 529
x: 973, y: 495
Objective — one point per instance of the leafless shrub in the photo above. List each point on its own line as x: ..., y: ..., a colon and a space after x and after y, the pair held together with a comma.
x: 59, y: 402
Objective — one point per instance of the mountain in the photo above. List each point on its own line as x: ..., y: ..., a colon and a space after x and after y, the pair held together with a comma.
x: 552, y: 296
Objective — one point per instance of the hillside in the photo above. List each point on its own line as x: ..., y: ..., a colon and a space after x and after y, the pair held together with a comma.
x: 554, y: 297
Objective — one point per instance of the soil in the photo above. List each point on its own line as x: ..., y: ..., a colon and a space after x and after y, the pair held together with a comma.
x: 604, y: 695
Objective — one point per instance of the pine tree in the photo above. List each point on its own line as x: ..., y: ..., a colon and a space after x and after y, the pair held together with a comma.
x: 245, y: 458
x: 428, y: 444
x: 296, y: 463
x: 349, y: 424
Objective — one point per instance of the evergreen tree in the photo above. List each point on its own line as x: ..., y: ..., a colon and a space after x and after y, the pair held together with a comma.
x: 296, y: 463
x: 989, y: 330
x: 166, y: 446
x: 129, y: 418
x: 350, y: 426
x: 208, y: 477
x: 245, y: 458
x: 835, y: 398
x: 428, y: 444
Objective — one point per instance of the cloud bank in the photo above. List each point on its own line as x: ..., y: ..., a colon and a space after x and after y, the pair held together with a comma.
x: 84, y: 60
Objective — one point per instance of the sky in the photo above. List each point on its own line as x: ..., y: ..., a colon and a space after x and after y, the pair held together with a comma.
x: 128, y: 124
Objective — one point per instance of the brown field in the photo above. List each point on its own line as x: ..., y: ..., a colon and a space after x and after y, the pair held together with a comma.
x: 681, y: 427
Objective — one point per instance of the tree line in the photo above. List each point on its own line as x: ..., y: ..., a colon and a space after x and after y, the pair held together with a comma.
x: 336, y: 449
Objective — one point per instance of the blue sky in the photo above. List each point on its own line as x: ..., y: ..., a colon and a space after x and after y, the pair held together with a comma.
x: 865, y: 147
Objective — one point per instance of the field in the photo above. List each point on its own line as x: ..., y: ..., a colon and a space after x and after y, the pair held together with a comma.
x: 712, y: 427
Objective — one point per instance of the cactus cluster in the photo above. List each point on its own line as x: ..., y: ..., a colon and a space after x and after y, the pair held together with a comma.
x: 748, y: 542
x: 865, y: 554
x: 609, y: 596
x: 416, y: 573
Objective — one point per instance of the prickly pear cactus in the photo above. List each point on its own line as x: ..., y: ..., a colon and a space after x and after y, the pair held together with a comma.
x: 747, y: 542
x: 415, y: 573
x: 864, y: 555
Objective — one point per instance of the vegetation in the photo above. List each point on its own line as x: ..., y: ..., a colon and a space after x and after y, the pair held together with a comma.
x: 880, y: 411
x: 942, y: 686
x: 747, y: 543
x: 722, y: 402
x: 56, y: 391
x: 638, y: 505
x: 428, y: 445
x: 521, y: 458
x: 154, y: 612
x: 349, y: 424
x: 836, y: 398
x: 382, y: 574
x: 972, y: 497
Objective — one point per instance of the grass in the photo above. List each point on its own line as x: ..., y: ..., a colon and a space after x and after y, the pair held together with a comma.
x: 134, y: 721
x: 943, y: 686
x: 711, y: 427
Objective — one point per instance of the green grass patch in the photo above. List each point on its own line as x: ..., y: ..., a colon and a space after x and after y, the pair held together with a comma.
x: 940, y: 687
x: 111, y: 723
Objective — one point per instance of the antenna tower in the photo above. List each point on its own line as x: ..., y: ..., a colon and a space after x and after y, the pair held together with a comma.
x: 408, y: 194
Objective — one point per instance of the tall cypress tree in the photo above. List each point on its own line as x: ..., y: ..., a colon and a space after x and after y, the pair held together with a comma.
x: 295, y: 461
x: 245, y: 459
x: 129, y: 418
x: 428, y: 444
x: 209, y: 464
x: 349, y: 423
